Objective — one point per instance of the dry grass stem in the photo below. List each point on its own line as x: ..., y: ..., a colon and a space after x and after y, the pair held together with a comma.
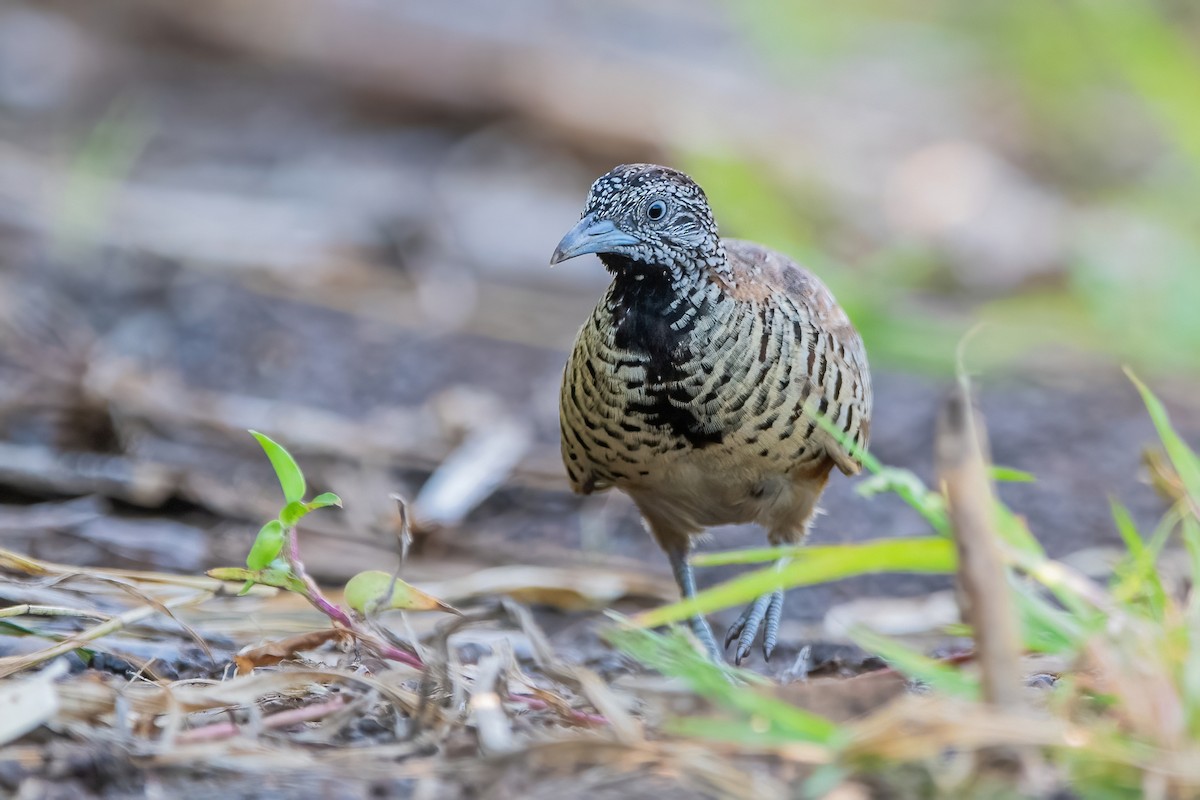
x: 962, y: 464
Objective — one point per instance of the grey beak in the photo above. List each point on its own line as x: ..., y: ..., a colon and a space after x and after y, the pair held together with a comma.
x: 591, y: 235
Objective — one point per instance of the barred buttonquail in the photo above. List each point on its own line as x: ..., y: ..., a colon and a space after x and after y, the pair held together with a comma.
x: 693, y: 384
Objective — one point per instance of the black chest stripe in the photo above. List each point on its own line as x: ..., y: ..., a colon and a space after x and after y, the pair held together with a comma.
x: 648, y: 320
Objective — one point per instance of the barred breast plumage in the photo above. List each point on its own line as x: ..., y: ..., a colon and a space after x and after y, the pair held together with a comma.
x: 696, y: 383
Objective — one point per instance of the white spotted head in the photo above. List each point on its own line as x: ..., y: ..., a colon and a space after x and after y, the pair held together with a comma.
x: 648, y: 215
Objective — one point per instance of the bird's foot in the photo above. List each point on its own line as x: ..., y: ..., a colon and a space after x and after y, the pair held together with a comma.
x: 769, y: 607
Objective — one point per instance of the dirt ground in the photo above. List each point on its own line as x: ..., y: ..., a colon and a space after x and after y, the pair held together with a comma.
x: 360, y: 271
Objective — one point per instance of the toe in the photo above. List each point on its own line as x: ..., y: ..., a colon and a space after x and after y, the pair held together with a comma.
x: 754, y: 617
x: 736, y: 628
x: 773, y: 616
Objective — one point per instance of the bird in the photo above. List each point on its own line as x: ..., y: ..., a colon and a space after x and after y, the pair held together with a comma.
x: 695, y: 385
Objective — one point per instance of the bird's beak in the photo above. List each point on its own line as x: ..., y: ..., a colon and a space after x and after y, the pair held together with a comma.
x: 591, y: 235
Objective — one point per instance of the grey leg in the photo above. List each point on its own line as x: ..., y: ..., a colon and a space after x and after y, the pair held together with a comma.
x: 687, y: 587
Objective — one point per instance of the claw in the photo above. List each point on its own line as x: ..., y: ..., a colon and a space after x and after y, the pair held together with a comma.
x: 745, y: 629
x: 736, y: 628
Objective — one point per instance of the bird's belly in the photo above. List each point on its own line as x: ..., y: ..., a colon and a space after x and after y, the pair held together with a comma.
x: 711, y: 486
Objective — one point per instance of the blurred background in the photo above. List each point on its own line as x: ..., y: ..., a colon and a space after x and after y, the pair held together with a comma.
x: 330, y: 220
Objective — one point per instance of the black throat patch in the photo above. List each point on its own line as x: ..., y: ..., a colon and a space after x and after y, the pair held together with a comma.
x: 647, y: 321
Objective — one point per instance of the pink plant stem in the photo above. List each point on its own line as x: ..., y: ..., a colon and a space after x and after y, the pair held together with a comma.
x: 313, y: 594
x: 389, y: 652
x: 538, y: 704
x: 284, y: 719
x: 335, y: 613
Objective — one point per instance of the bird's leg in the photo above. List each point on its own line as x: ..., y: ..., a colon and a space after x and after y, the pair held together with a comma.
x: 769, y: 607
x: 687, y: 587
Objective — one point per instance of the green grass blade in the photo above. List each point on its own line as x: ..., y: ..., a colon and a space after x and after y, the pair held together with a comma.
x: 1137, y: 577
x: 1182, y: 457
x: 929, y: 504
x: 909, y: 488
x: 1045, y: 628
x: 1011, y: 475
x: 673, y: 655
x: 916, y: 665
x: 1127, y: 528
x: 1077, y: 593
x: 1014, y: 532
x: 869, y: 462
x: 929, y: 555
x: 752, y: 555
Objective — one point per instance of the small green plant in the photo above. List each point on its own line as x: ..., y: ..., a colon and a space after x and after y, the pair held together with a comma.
x: 265, y: 563
x: 274, y: 560
x: 264, y: 560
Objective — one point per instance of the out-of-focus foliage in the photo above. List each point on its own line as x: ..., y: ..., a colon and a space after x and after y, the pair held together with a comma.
x: 1096, y: 103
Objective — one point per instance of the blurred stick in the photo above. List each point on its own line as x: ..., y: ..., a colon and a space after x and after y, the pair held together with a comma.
x: 36, y: 468
x: 962, y: 466
x: 395, y: 51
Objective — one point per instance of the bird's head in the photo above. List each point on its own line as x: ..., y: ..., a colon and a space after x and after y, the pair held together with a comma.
x: 648, y: 216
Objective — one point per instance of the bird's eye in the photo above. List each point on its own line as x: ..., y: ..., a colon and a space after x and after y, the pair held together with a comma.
x: 656, y: 210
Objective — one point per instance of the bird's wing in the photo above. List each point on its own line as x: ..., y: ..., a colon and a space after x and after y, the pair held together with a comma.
x: 585, y: 389
x: 836, y: 362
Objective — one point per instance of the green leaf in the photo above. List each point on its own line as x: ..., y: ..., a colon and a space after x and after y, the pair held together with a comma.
x: 914, y: 664
x: 1010, y: 475
x: 929, y: 555
x: 324, y: 500
x: 267, y: 545
x: 368, y: 591
x: 296, y: 510
x: 291, y: 479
